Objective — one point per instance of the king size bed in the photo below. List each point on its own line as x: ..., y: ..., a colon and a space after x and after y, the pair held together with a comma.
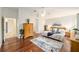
x: 57, y: 33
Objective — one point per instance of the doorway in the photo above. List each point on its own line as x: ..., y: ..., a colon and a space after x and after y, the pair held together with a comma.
x: 9, y: 28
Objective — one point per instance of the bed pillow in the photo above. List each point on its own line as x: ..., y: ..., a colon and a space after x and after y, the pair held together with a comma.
x: 62, y: 31
x: 54, y: 30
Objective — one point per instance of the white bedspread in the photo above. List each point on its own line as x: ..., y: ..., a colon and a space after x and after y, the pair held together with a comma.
x: 58, y: 36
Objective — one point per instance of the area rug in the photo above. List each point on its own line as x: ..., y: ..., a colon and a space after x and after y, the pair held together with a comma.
x: 47, y: 45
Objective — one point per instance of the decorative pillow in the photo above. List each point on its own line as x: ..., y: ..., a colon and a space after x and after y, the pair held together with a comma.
x: 49, y: 33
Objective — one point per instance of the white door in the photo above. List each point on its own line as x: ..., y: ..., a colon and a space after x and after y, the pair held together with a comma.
x: 9, y: 27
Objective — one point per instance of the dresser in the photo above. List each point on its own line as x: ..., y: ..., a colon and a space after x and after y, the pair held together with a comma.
x: 28, y: 29
x: 74, y: 43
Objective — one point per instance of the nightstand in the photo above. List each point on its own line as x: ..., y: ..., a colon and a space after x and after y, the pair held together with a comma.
x: 74, y: 45
x: 67, y: 34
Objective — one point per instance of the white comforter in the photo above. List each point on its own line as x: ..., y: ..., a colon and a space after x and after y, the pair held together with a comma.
x: 58, y: 36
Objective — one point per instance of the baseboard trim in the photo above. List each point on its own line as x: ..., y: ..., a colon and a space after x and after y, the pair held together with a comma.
x: 0, y: 45
x: 13, y: 37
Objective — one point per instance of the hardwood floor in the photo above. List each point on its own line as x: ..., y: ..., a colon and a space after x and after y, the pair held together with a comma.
x: 25, y: 45
x: 67, y: 45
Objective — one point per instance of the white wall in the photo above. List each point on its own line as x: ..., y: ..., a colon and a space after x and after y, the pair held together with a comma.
x: 78, y: 21
x: 10, y: 12
x: 0, y: 28
x: 67, y: 21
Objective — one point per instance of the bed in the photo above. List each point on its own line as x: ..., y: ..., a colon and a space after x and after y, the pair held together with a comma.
x: 57, y: 33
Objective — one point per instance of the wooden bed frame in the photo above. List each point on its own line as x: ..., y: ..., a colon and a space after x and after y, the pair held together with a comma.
x: 59, y: 27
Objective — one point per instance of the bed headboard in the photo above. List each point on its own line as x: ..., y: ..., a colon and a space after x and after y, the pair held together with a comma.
x: 58, y: 27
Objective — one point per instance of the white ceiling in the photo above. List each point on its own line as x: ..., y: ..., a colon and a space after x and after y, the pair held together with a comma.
x: 52, y: 12
x: 59, y: 12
